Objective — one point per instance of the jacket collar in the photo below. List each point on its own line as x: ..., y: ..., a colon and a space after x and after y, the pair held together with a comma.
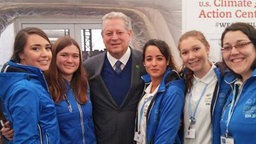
x: 169, y: 75
x: 230, y: 77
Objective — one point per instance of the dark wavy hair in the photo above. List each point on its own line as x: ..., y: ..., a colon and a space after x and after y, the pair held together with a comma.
x: 164, y: 49
x: 248, y: 30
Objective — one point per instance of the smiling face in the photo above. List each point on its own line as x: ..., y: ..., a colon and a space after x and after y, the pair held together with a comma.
x: 194, y: 55
x: 68, y: 61
x: 116, y: 37
x: 155, y: 63
x: 37, y: 52
x: 239, y: 60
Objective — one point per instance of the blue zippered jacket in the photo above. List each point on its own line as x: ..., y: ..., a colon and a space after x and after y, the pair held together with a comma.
x: 164, y: 113
x: 242, y: 125
x: 75, y: 120
x: 26, y: 103
x: 221, y: 92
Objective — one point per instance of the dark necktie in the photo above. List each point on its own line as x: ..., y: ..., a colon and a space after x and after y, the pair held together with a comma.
x: 236, y: 90
x: 118, y: 66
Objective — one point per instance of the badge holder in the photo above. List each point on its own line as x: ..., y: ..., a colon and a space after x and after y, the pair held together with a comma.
x: 138, y: 137
x: 191, y: 132
x: 227, y: 140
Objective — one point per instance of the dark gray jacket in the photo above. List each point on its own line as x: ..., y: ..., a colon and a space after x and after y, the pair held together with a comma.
x: 114, y: 124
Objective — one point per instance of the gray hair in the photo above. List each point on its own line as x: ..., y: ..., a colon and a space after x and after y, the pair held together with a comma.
x: 117, y: 15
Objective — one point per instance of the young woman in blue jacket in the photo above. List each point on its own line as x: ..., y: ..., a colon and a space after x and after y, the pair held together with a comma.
x: 70, y: 91
x: 160, y: 108
x: 25, y: 99
x: 238, y: 121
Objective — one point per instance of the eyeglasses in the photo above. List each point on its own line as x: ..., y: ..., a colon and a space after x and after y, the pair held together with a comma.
x: 238, y: 46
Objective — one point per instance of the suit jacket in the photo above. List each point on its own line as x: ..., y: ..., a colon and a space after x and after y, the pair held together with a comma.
x: 114, y: 124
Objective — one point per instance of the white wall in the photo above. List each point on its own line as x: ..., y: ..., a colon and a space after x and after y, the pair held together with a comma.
x: 6, y: 44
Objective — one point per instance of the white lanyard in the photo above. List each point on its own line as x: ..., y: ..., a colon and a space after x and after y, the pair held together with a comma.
x: 146, y: 100
x: 192, y: 115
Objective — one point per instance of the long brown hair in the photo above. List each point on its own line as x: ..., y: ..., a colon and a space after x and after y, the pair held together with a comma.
x: 57, y: 84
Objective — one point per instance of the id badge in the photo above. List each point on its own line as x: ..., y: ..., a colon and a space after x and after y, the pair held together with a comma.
x: 190, y: 133
x: 137, y: 137
x: 227, y: 140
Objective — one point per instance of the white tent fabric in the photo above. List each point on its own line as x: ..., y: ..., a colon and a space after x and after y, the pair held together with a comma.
x: 151, y: 18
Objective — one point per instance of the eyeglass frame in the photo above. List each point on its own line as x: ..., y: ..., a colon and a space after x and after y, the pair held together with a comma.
x: 239, y: 45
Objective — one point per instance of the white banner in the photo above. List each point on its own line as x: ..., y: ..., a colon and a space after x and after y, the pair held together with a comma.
x: 212, y: 16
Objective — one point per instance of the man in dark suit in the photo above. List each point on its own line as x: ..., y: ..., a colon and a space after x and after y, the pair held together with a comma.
x: 115, y: 94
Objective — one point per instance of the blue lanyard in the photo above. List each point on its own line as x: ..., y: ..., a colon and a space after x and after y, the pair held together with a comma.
x: 232, y: 106
x: 193, y: 114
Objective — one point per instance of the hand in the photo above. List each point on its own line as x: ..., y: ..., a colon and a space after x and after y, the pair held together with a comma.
x: 7, y: 132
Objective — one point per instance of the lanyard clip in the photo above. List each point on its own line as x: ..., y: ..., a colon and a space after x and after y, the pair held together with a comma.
x: 192, y: 120
x: 226, y: 133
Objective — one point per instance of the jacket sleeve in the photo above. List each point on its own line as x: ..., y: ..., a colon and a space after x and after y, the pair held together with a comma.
x: 170, y: 114
x: 23, y: 106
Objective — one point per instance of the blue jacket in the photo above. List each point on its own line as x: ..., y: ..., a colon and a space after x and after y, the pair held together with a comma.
x: 75, y: 121
x: 219, y: 98
x: 164, y: 113
x: 26, y: 103
x: 242, y: 124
